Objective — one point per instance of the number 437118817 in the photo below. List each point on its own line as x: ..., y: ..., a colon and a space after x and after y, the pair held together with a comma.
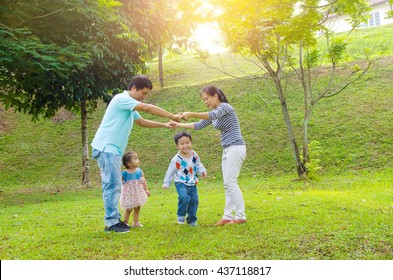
x: 235, y: 270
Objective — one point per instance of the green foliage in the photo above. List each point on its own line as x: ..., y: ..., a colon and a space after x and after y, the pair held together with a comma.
x: 166, y: 23
x: 312, y: 58
x: 58, y: 53
x: 336, y: 49
x: 30, y: 68
x: 357, y: 10
x: 313, y: 165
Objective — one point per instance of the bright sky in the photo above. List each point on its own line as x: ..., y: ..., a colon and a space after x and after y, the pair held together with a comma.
x: 208, y: 35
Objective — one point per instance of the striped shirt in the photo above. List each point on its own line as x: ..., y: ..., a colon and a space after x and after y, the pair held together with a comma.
x: 224, y: 118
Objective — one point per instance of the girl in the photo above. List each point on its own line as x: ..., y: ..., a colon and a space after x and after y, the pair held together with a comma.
x: 224, y: 118
x: 134, y: 190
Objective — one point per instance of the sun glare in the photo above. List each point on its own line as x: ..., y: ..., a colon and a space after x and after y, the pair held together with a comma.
x: 208, y: 37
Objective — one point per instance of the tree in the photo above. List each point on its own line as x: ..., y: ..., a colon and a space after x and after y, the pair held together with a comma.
x: 271, y: 31
x: 67, y: 54
x: 162, y: 24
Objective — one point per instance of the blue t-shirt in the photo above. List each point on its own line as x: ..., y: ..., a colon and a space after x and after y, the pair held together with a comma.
x: 115, y: 128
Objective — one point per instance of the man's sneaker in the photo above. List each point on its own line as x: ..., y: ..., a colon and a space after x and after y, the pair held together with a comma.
x: 124, y: 224
x: 180, y: 220
x: 119, y: 227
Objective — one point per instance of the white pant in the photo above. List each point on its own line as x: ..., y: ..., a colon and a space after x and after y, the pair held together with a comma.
x: 232, y: 159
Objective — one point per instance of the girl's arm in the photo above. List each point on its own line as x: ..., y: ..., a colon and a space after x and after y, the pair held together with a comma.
x: 145, y: 185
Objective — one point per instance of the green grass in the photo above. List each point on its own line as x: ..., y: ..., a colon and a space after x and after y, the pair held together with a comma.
x: 348, y: 217
x: 347, y: 214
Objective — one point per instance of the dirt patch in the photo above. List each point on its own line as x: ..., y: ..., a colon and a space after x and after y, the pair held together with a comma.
x: 62, y: 116
x: 6, y: 122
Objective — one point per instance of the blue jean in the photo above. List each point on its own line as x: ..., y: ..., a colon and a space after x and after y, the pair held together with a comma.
x: 188, y: 201
x: 110, y: 168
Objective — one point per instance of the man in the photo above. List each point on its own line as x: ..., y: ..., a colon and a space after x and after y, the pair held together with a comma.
x: 111, y: 140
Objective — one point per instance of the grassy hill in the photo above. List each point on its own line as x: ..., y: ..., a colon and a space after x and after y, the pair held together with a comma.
x: 354, y: 130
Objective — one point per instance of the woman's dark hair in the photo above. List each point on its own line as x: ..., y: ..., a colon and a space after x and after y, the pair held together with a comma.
x: 140, y: 82
x: 127, y: 158
x: 212, y: 90
x: 180, y: 134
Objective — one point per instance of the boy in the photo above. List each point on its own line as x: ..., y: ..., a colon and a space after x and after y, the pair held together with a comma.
x: 184, y: 168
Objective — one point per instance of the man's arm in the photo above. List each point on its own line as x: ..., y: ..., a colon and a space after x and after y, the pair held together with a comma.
x: 151, y: 124
x: 155, y: 110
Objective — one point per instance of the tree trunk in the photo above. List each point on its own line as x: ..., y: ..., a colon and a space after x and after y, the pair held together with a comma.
x: 85, y: 145
x: 160, y: 66
x: 300, y: 168
x: 306, y: 154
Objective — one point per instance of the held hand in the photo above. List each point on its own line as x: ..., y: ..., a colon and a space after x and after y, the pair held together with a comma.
x: 170, y: 125
x: 204, y: 174
x: 164, y: 187
x: 177, y: 117
x: 185, y: 115
x: 174, y: 125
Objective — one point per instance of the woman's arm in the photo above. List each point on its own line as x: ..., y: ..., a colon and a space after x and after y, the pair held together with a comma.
x: 188, y: 115
x: 183, y: 125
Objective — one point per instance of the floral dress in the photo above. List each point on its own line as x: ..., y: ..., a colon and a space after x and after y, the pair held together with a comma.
x: 132, y: 192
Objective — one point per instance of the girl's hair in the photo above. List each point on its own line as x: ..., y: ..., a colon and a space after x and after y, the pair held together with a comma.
x: 180, y: 134
x: 212, y: 90
x: 127, y: 158
x: 140, y: 82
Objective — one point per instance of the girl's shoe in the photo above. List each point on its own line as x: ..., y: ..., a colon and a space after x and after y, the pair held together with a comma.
x: 138, y: 224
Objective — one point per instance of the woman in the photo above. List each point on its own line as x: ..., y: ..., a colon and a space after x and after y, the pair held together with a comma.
x: 224, y: 118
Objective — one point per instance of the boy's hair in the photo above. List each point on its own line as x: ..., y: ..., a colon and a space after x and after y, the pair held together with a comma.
x: 180, y: 134
x: 127, y: 157
x: 140, y: 82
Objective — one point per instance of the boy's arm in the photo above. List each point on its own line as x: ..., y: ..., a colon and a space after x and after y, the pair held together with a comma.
x: 201, y: 170
x: 170, y: 173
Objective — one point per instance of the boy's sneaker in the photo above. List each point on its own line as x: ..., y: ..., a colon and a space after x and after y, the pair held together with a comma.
x: 181, y: 220
x: 119, y: 227
x: 193, y: 224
